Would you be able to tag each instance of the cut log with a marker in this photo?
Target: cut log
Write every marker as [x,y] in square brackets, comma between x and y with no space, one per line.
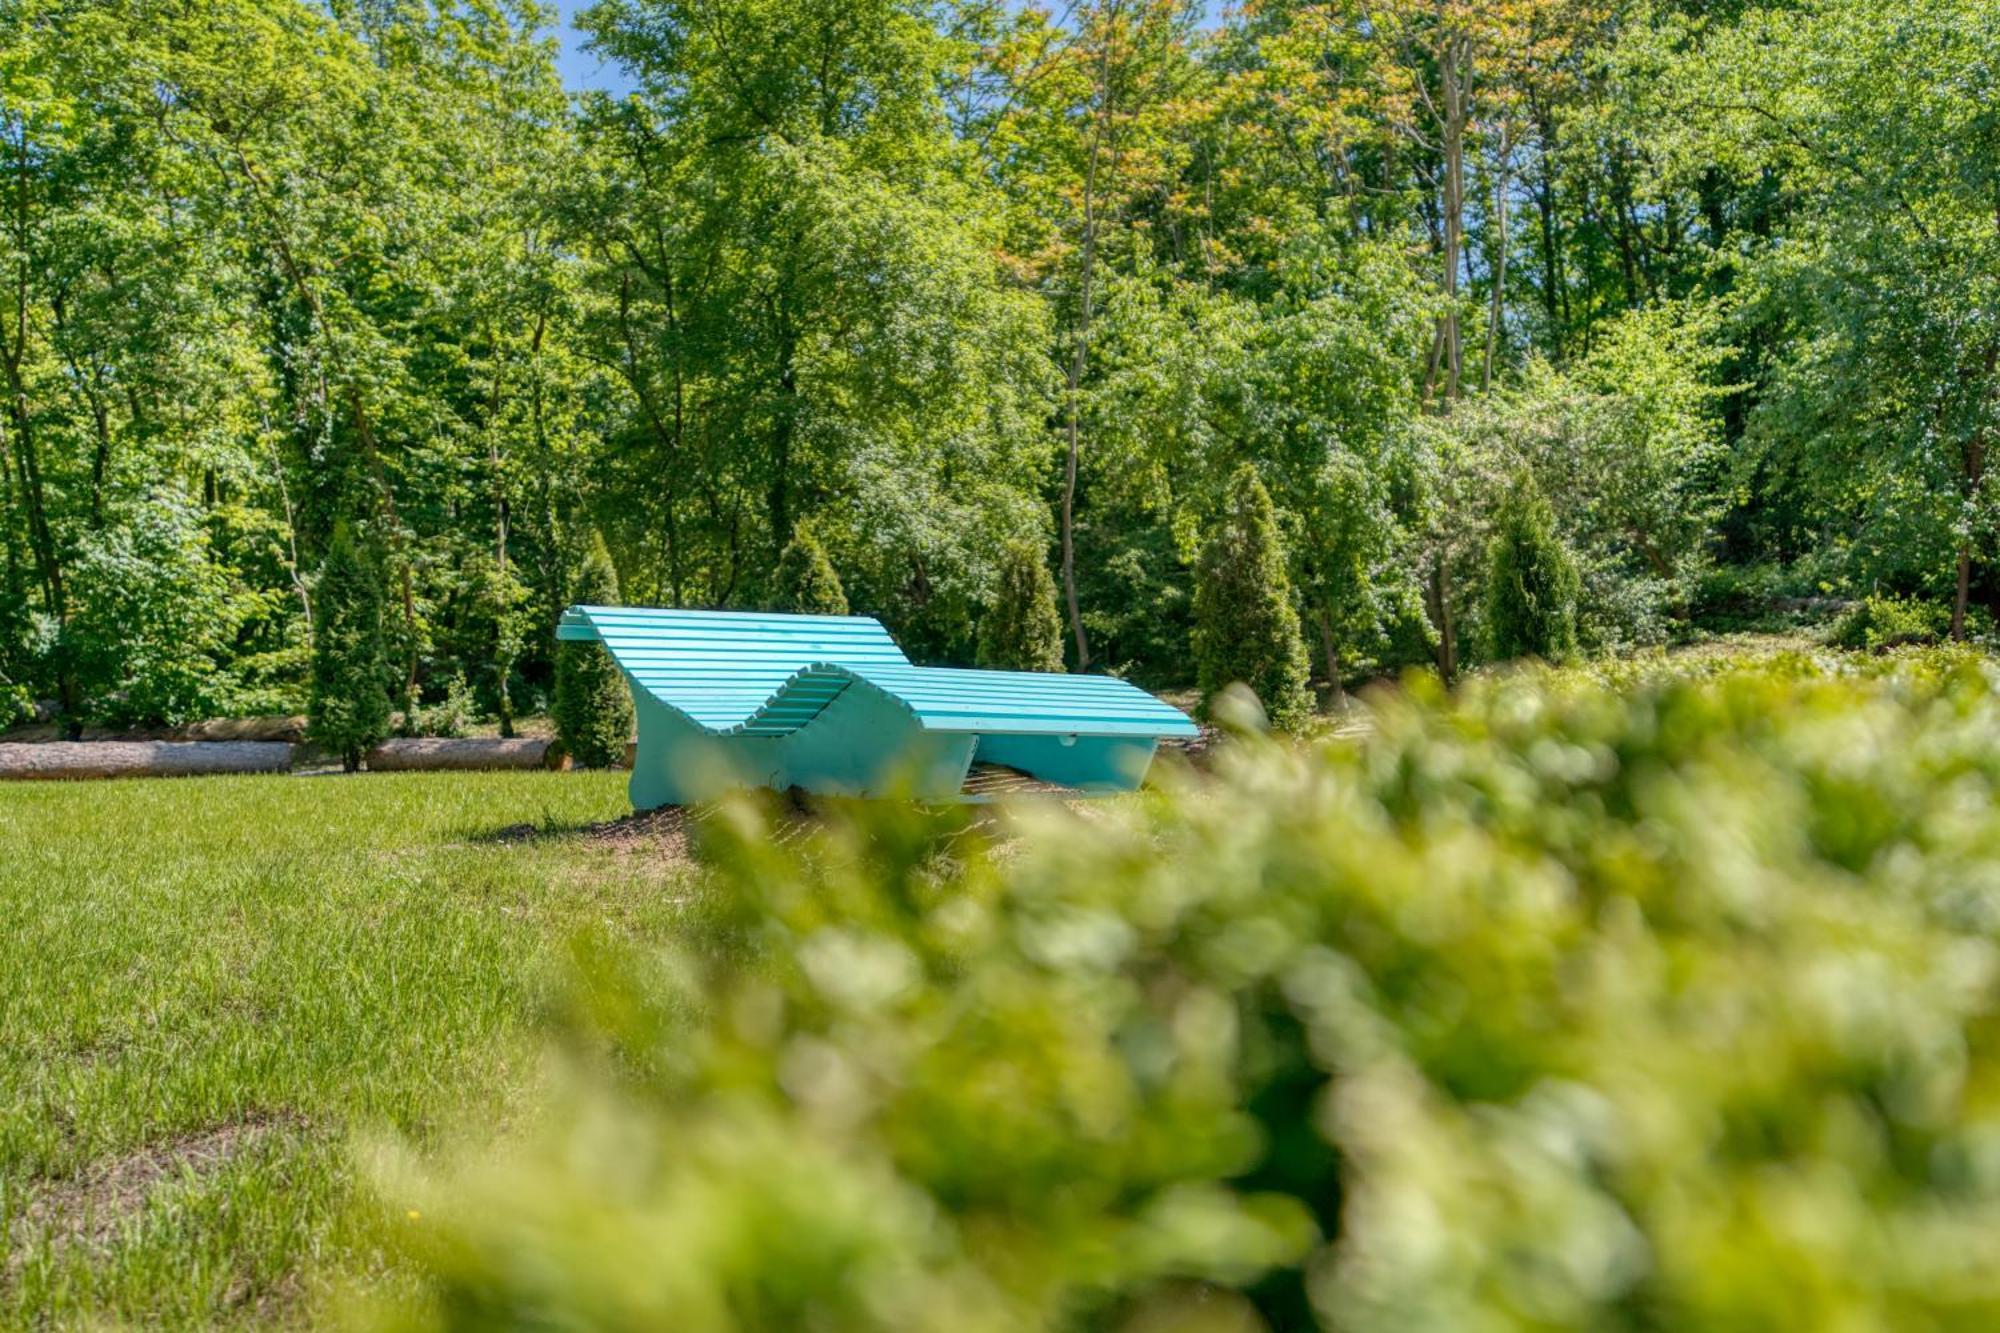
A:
[140,759]
[291,729]
[423,754]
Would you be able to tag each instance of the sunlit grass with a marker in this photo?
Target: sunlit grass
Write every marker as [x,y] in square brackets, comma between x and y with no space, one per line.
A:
[209,988]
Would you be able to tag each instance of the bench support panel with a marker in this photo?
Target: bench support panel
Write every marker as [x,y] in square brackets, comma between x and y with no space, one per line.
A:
[1094,763]
[678,763]
[861,744]
[866,744]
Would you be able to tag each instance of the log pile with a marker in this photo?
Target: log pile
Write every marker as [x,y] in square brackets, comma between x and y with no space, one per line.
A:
[278,727]
[437,754]
[57,760]
[140,759]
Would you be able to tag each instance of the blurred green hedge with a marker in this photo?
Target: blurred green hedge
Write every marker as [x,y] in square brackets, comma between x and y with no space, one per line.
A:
[1667,1001]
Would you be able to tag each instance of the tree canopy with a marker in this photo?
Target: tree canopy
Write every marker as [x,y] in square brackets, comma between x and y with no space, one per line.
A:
[935,283]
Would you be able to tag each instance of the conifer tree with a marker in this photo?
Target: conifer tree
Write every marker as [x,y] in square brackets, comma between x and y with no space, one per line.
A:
[1022,630]
[593,707]
[1532,585]
[1246,628]
[348,712]
[805,581]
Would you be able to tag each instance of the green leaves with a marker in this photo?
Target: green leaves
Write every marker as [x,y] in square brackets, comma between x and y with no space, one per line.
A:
[1532,582]
[155,633]
[1872,117]
[834,265]
[795,277]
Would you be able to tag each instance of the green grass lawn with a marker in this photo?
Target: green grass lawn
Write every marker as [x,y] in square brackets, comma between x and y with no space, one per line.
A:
[211,988]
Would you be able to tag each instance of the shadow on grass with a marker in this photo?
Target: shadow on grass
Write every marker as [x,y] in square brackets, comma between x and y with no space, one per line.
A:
[789,815]
[672,819]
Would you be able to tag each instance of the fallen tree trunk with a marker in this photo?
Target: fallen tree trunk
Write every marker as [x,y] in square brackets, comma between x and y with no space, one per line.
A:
[426,754]
[140,759]
[291,729]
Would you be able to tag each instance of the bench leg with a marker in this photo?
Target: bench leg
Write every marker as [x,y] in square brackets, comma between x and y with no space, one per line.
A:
[677,763]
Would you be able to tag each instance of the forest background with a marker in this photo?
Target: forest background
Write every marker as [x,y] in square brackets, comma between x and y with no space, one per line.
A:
[1694,308]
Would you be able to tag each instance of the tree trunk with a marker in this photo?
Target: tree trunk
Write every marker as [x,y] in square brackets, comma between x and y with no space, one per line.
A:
[41,538]
[13,355]
[669,438]
[1964,593]
[1079,359]
[72,760]
[1545,203]
[458,754]
[1628,257]
[1453,73]
[92,386]
[1975,475]
[292,545]
[1440,598]
[1498,309]
[1332,653]
[1453,109]
[779,497]
[13,584]
[410,656]
[503,655]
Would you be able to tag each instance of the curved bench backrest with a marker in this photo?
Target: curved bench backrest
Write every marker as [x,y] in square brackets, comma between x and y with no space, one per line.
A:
[719,667]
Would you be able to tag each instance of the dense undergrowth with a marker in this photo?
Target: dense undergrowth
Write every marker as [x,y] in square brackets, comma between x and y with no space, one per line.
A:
[1655,996]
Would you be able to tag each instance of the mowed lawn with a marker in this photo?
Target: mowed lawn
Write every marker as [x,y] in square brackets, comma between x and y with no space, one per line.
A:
[211,989]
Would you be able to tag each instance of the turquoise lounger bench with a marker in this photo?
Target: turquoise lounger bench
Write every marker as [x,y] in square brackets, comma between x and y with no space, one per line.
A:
[830,704]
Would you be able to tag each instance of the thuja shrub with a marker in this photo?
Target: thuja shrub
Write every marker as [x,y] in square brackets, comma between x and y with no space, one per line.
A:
[348,710]
[805,581]
[1246,628]
[592,707]
[1532,581]
[1022,629]
[1668,1002]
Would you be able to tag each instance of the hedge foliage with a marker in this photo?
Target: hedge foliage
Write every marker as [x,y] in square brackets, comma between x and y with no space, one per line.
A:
[1670,1001]
[1883,621]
